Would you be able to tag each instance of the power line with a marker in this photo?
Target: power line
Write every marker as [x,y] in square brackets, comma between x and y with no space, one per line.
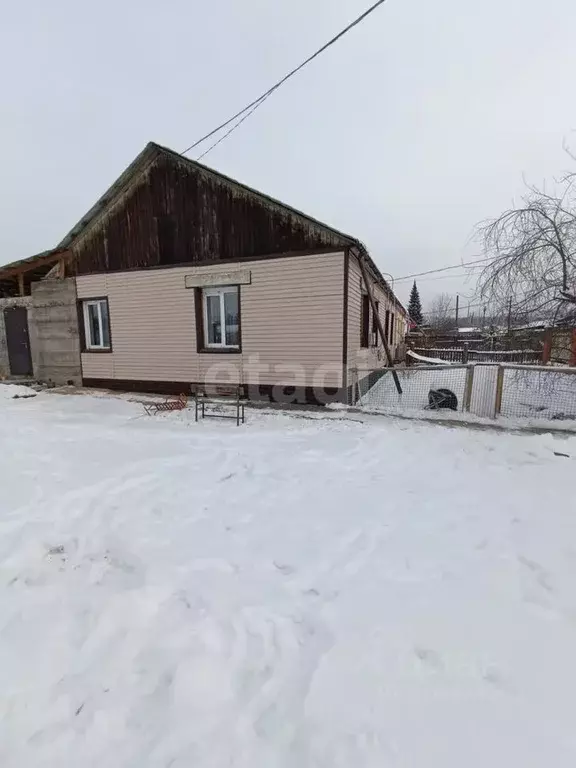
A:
[260,100]
[465,311]
[443,269]
[473,270]
[236,125]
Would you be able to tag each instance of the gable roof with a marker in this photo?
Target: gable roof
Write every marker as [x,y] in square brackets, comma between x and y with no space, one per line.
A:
[148,155]
[145,159]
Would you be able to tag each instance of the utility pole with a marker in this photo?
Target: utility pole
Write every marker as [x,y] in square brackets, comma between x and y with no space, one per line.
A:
[457,308]
[484,317]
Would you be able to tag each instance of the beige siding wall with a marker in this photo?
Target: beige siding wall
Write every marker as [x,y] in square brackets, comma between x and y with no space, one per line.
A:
[371,357]
[291,318]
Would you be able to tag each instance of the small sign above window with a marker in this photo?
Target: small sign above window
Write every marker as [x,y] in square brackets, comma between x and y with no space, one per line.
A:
[213,279]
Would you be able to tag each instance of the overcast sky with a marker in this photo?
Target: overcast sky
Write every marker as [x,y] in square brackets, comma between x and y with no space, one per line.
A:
[411,129]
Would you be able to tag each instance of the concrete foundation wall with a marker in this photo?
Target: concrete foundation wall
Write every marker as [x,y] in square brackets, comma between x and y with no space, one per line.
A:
[53,323]
[21,301]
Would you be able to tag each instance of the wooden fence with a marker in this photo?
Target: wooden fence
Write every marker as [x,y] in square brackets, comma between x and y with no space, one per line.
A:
[465,355]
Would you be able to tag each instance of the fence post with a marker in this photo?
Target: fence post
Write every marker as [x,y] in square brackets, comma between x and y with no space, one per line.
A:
[499,391]
[573,349]
[465,350]
[468,388]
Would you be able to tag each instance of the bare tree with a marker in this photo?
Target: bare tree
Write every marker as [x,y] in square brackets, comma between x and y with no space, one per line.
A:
[441,315]
[532,252]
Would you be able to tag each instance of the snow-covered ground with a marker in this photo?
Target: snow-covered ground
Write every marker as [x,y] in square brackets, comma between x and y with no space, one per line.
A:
[341,591]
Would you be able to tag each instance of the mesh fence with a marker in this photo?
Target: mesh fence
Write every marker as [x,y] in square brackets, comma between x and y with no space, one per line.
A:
[490,390]
[424,388]
[546,393]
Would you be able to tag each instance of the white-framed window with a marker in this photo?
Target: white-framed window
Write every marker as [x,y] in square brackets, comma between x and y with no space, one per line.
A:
[221,311]
[96,324]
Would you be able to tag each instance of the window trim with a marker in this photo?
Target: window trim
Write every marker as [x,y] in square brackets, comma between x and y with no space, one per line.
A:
[84,324]
[201,308]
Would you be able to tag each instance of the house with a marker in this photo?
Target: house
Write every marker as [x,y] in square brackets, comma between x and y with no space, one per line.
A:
[180,275]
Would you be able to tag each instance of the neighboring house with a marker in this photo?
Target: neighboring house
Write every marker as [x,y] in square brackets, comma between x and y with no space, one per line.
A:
[179,275]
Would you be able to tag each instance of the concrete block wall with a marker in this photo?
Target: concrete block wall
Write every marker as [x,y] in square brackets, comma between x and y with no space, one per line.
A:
[53,322]
[20,301]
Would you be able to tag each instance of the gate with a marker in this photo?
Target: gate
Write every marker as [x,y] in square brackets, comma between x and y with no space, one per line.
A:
[18,341]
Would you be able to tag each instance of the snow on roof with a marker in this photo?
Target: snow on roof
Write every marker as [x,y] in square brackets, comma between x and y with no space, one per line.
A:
[533,324]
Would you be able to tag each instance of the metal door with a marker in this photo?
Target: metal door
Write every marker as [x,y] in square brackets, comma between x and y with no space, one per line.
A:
[18,341]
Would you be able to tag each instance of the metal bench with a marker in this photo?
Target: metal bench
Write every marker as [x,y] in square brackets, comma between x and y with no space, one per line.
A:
[223,396]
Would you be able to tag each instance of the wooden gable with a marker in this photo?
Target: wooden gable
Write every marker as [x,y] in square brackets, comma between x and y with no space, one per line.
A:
[169,210]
